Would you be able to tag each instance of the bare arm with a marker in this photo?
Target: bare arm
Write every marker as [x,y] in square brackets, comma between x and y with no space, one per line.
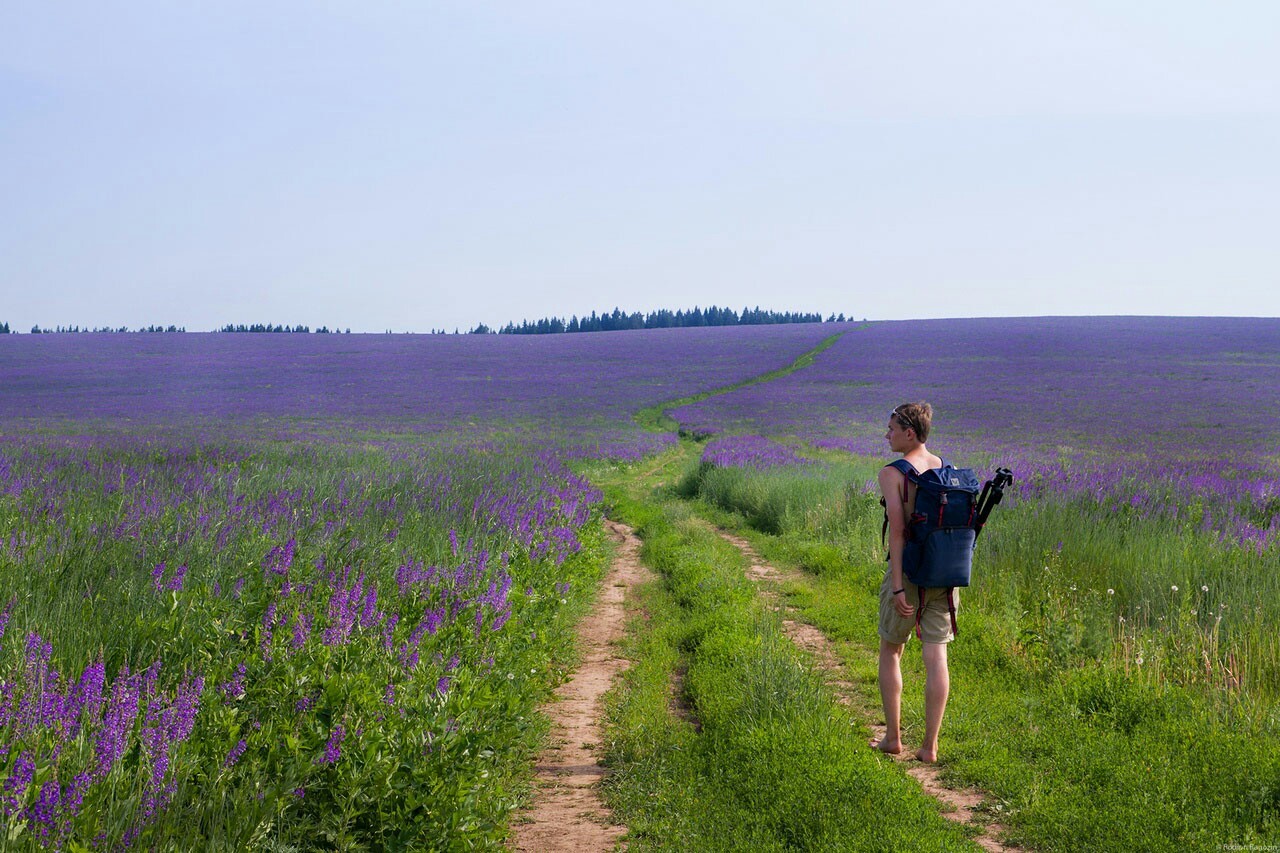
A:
[893,486]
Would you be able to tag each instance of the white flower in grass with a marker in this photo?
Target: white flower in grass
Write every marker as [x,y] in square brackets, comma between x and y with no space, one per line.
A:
[1111,592]
[1139,660]
[1174,587]
[1204,588]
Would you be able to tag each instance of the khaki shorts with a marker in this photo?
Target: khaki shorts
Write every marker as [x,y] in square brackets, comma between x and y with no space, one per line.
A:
[935,621]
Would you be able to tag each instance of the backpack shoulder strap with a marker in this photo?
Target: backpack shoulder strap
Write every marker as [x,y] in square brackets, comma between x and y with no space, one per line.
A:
[909,472]
[905,468]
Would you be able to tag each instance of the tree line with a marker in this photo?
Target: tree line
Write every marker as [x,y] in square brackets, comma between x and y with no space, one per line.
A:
[613,321]
[241,327]
[62,330]
[618,320]
[267,327]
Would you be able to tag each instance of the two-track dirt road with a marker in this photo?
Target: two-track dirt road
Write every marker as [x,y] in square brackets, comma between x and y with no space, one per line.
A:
[567,812]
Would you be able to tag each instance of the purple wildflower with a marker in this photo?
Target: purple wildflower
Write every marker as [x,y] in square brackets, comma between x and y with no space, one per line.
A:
[15,787]
[43,814]
[268,624]
[4,617]
[179,577]
[333,749]
[234,688]
[236,751]
[301,630]
[431,621]
[280,558]
[388,630]
[163,729]
[122,710]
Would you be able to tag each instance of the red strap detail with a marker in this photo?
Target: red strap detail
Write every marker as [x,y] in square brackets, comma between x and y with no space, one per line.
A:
[919,611]
[951,608]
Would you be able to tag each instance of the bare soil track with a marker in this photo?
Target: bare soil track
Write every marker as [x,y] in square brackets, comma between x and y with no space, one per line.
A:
[959,804]
[567,813]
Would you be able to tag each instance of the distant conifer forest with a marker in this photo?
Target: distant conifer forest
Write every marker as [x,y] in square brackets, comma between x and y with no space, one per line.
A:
[662,319]
[613,321]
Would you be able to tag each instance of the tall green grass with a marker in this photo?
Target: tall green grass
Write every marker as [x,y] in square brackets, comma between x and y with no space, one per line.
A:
[1102,707]
[1167,601]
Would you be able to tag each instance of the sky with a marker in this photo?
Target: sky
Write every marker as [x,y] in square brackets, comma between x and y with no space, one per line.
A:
[409,166]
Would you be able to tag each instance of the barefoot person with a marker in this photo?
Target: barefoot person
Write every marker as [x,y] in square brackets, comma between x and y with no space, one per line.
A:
[899,598]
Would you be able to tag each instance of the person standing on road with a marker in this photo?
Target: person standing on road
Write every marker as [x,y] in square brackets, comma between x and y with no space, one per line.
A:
[908,429]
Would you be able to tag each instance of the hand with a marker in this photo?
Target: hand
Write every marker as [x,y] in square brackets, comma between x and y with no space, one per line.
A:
[905,608]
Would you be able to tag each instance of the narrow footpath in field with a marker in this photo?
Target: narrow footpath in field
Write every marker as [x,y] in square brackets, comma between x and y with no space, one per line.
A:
[567,813]
[960,804]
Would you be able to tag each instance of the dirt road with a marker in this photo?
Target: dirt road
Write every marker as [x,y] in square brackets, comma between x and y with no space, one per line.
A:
[567,814]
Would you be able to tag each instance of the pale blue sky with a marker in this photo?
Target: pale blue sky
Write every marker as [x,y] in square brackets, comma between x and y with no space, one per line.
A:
[416,165]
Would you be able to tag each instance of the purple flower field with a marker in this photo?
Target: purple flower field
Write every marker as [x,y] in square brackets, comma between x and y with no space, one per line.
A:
[187,625]
[279,580]
[1110,383]
[1165,415]
[269,580]
[582,388]
[163,605]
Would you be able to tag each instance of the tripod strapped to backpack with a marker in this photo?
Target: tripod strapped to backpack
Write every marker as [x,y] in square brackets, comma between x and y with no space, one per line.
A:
[992,493]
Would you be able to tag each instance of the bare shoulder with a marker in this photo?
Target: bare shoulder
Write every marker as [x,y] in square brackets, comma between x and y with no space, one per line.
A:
[890,474]
[891,479]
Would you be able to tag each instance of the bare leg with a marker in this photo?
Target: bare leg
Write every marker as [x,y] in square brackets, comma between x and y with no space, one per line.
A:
[937,685]
[891,696]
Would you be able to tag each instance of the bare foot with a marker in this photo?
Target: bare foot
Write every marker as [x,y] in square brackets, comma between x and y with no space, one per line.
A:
[927,756]
[889,747]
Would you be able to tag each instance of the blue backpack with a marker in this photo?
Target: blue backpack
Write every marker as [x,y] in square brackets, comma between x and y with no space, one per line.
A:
[943,527]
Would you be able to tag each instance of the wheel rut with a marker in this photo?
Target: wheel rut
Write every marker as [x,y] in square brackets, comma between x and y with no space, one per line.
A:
[961,804]
[567,813]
